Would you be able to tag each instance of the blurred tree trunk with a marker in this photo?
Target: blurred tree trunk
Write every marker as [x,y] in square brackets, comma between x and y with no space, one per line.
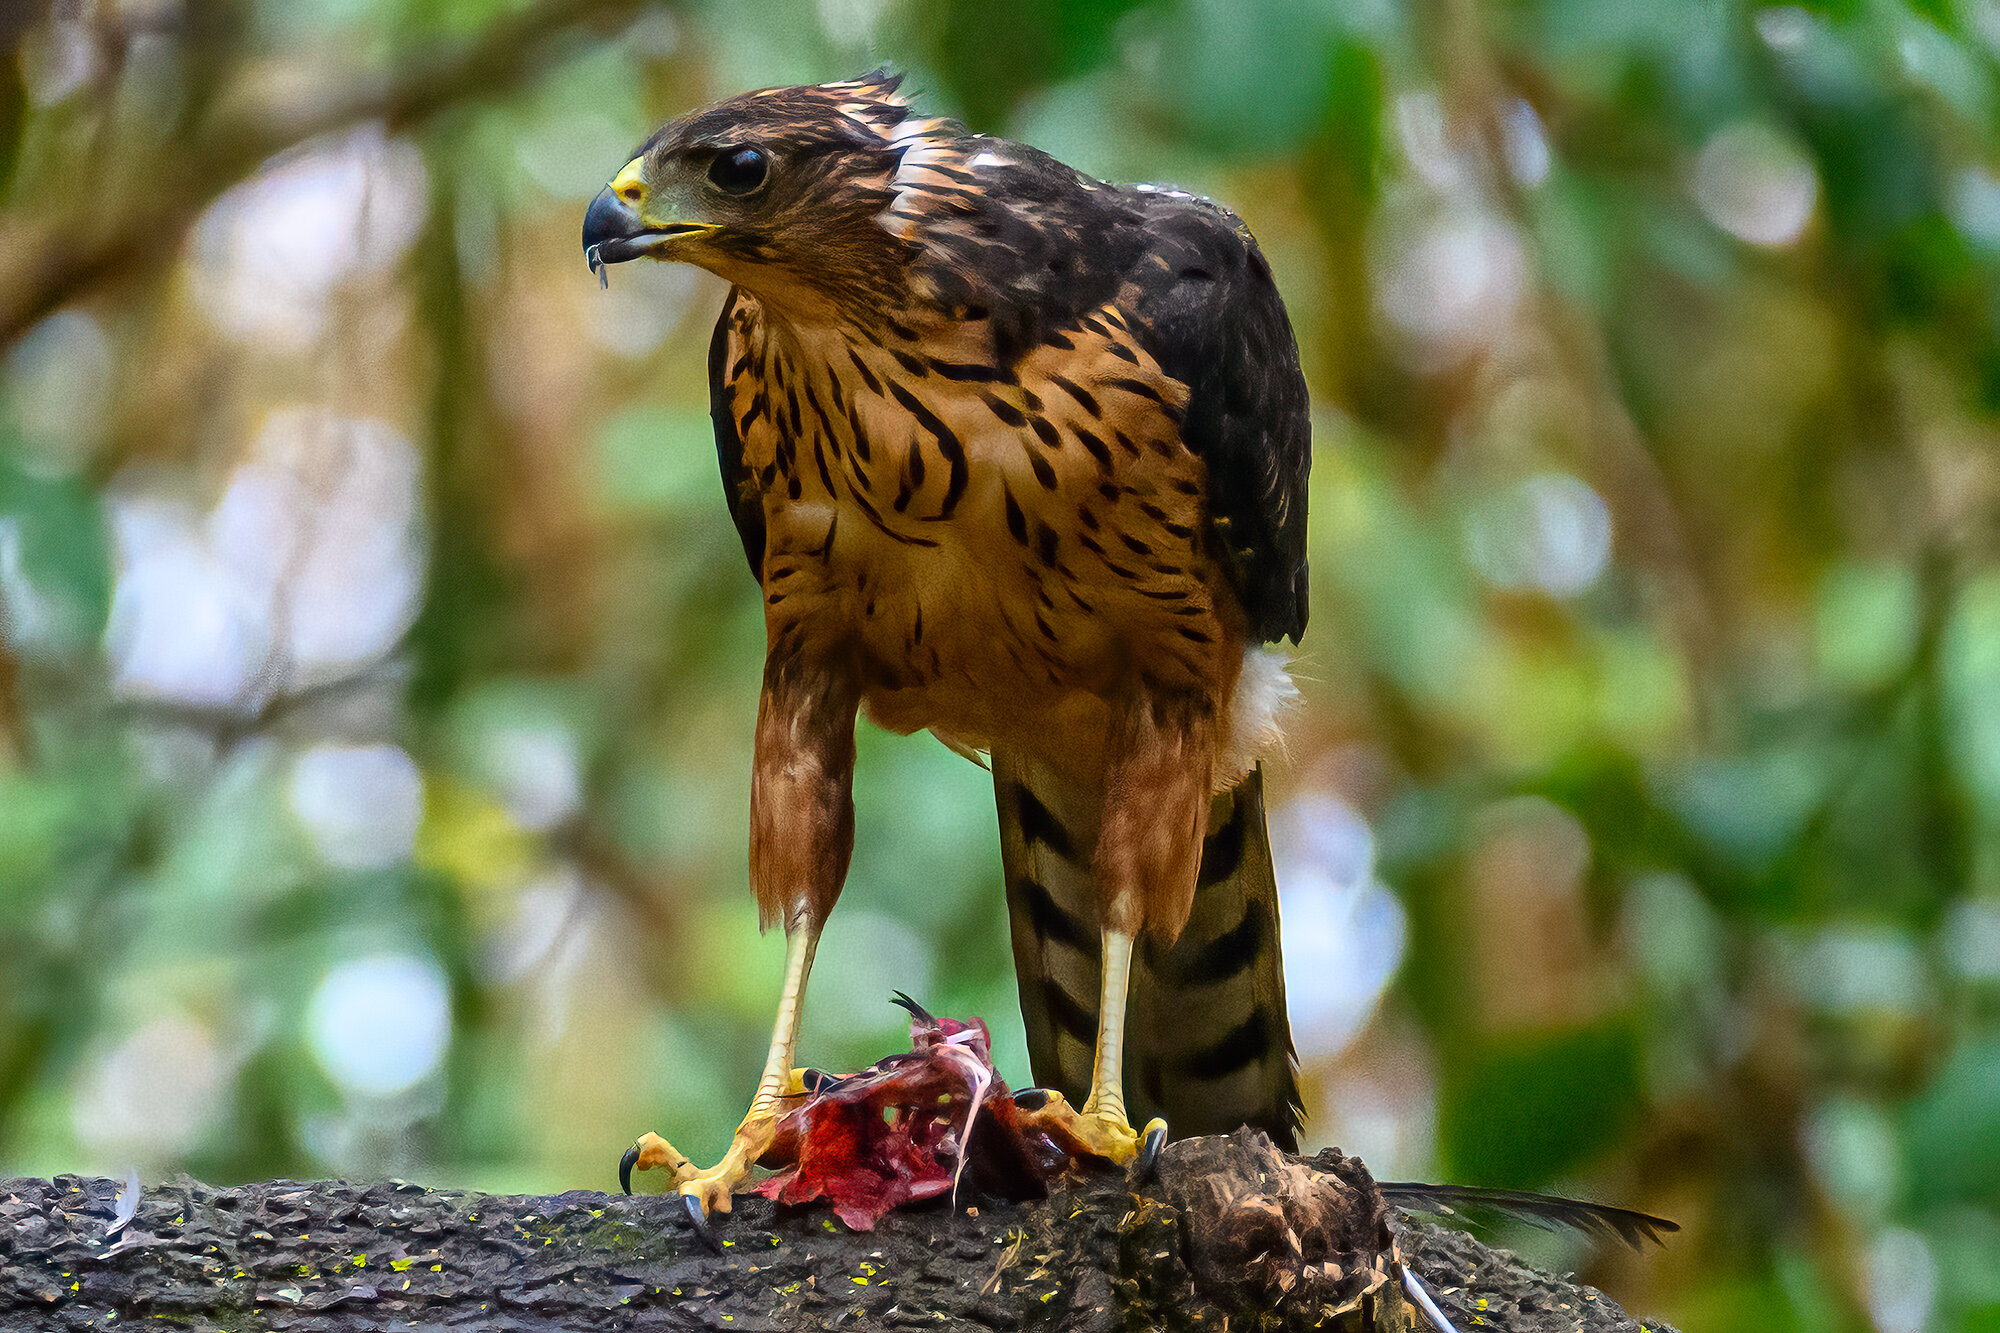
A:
[13,721]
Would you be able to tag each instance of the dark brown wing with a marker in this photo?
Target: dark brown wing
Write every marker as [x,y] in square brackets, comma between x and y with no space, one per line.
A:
[744,506]
[1209,312]
[1037,245]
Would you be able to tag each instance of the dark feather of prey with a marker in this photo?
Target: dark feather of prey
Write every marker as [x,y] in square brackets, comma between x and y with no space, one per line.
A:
[1598,1220]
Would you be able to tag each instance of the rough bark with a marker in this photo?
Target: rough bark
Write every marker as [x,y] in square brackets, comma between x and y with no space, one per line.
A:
[1228,1236]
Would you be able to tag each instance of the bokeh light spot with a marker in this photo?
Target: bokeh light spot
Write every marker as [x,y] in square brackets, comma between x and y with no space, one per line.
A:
[1551,532]
[150,1098]
[361,804]
[1343,932]
[1755,184]
[1452,284]
[1902,1281]
[379,1024]
[271,251]
[59,380]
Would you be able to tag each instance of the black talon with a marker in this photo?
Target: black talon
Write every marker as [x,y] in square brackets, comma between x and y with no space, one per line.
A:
[1146,1162]
[625,1165]
[1033,1099]
[697,1217]
[818,1080]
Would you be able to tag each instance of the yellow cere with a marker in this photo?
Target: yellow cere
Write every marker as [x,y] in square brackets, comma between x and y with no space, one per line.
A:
[629,184]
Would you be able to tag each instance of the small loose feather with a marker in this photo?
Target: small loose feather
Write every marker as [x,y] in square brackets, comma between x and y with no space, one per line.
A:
[127,1207]
[1420,1296]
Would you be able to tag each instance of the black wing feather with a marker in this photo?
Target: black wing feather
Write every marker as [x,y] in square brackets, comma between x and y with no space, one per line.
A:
[744,506]
[1210,314]
[1039,246]
[1548,1211]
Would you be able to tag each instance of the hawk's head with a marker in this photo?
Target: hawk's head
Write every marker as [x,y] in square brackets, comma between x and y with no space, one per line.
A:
[783,191]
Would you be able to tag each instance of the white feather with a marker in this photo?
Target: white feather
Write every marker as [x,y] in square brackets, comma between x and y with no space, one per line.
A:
[1420,1294]
[924,143]
[1264,694]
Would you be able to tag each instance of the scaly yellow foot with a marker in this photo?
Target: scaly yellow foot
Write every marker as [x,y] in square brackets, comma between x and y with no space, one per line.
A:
[705,1193]
[1100,1131]
[650,1151]
[712,1190]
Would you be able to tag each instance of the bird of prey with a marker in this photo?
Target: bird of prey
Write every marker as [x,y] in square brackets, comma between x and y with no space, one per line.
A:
[1018,457]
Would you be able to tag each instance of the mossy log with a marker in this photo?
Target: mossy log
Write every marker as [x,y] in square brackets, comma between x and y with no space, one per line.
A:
[1230,1234]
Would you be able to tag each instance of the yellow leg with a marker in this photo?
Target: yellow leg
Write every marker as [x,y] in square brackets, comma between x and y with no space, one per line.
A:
[1107,1073]
[714,1188]
[1101,1127]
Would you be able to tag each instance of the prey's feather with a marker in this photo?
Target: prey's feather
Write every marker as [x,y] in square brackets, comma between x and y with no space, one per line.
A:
[1547,1211]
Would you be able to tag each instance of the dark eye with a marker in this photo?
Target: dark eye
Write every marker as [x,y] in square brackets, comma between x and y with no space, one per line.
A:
[739,170]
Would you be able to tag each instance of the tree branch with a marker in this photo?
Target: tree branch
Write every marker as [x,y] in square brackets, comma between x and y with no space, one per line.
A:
[1193,1252]
[51,256]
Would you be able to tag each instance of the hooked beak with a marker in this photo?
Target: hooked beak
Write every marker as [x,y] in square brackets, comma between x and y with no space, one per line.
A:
[616,228]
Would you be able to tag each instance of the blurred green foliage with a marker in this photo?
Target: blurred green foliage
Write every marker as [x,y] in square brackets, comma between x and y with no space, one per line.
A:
[377,661]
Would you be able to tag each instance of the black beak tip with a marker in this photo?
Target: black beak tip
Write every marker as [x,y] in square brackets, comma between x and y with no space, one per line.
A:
[608,219]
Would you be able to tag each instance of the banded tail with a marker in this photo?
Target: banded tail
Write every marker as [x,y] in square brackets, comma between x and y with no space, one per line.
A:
[1208,1043]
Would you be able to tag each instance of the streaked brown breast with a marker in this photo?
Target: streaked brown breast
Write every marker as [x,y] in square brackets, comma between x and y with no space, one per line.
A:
[977,535]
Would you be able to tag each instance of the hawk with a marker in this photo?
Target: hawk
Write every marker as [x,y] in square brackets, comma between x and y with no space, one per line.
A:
[1018,457]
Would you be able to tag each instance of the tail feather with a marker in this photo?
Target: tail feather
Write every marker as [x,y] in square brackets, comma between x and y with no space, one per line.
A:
[1211,1044]
[1047,830]
[1549,1211]
[1208,1045]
